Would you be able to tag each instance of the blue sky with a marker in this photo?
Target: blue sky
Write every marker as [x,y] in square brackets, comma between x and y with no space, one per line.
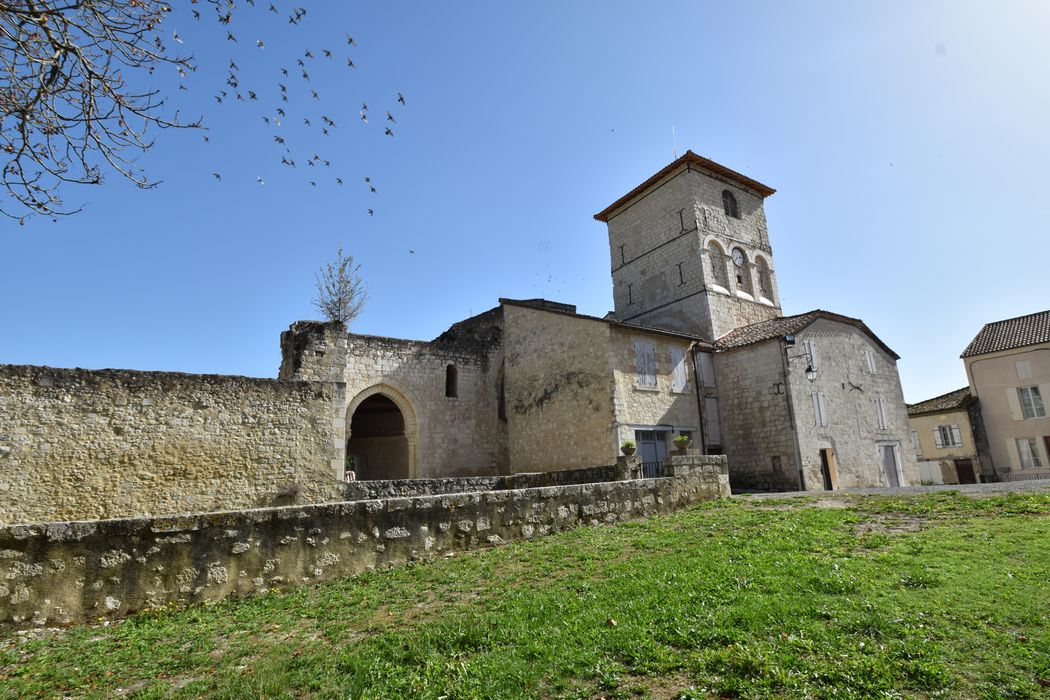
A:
[907,142]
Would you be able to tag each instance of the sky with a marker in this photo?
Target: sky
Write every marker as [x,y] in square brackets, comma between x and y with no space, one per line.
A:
[907,142]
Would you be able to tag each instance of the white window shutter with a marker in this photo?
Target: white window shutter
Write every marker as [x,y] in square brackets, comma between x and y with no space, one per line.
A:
[1024,369]
[937,438]
[714,426]
[880,414]
[679,378]
[816,408]
[956,436]
[1014,401]
[870,357]
[811,350]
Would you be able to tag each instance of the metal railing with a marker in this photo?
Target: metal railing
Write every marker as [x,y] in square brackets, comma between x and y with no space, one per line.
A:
[652,470]
[1023,475]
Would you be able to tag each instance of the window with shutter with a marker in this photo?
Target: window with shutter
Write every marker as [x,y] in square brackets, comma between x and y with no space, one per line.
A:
[1024,369]
[679,377]
[1031,402]
[645,363]
[956,435]
[880,413]
[938,438]
[869,356]
[1029,453]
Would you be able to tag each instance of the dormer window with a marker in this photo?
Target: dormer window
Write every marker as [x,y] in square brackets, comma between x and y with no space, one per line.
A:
[729,204]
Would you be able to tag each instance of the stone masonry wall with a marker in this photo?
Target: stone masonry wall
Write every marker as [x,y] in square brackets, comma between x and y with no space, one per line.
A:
[86,444]
[849,391]
[401,488]
[447,436]
[61,573]
[756,423]
[657,248]
[661,405]
[559,391]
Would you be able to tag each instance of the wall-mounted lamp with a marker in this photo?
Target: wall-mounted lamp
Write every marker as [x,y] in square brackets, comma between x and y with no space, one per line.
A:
[811,371]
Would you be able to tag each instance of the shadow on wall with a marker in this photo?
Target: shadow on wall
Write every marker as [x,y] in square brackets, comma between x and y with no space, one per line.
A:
[378,447]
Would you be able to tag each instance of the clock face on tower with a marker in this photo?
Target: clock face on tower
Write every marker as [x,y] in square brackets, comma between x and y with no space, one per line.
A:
[738,257]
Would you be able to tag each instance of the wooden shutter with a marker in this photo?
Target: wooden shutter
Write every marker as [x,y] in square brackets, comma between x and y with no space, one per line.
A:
[956,435]
[1014,401]
[707,369]
[679,378]
[937,438]
[1024,369]
[811,350]
[870,357]
[820,409]
[880,413]
[650,364]
[714,426]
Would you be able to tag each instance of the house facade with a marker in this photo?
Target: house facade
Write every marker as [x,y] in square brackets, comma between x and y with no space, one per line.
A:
[696,345]
[948,439]
[1008,368]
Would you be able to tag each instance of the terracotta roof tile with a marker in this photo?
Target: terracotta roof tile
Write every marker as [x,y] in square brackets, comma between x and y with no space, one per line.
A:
[790,325]
[953,400]
[1011,333]
[692,159]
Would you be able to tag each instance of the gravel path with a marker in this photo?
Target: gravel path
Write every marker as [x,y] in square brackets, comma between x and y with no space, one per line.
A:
[1036,485]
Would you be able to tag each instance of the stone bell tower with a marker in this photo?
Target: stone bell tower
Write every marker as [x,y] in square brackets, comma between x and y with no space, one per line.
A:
[690,250]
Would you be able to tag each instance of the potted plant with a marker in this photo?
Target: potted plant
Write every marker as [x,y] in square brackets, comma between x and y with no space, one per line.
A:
[628,447]
[682,443]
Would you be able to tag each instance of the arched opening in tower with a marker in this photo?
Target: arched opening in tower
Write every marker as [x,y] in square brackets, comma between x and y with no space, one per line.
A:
[377,447]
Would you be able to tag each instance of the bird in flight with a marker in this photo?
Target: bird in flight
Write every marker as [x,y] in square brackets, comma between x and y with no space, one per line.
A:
[230,36]
[260,181]
[350,63]
[260,44]
[389,132]
[217,176]
[390,117]
[350,40]
[400,98]
[371,212]
[176,37]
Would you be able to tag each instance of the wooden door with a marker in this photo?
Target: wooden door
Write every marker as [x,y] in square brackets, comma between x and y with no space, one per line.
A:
[964,471]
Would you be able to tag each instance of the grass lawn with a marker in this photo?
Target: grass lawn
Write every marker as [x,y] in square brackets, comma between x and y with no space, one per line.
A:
[924,596]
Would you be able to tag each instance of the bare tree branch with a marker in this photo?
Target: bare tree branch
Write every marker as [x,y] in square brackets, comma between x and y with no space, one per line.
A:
[341,294]
[68,108]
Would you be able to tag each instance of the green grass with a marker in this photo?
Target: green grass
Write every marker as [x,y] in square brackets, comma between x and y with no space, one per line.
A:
[928,596]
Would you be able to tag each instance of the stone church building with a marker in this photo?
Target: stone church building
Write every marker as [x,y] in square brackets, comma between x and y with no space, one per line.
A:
[696,345]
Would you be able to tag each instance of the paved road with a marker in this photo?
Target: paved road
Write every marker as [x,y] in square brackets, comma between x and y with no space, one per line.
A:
[1039,486]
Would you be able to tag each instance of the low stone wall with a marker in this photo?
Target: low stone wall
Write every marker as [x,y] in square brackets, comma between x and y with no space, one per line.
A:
[403,488]
[81,444]
[60,573]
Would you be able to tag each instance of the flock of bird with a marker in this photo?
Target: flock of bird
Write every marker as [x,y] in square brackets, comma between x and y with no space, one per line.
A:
[318,122]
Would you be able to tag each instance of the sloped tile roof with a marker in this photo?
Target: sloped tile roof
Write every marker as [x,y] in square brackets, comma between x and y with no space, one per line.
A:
[790,325]
[953,400]
[1011,333]
[692,159]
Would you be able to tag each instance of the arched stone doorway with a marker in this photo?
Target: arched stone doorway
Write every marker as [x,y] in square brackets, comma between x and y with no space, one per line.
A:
[381,435]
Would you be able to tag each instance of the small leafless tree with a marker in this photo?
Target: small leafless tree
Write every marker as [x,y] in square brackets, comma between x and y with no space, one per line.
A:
[341,295]
[73,96]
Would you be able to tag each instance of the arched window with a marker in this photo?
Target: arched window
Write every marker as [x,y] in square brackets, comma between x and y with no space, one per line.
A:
[451,382]
[717,260]
[765,288]
[741,270]
[729,204]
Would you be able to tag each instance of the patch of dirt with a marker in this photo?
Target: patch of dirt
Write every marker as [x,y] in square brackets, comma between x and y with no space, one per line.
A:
[888,525]
[656,687]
